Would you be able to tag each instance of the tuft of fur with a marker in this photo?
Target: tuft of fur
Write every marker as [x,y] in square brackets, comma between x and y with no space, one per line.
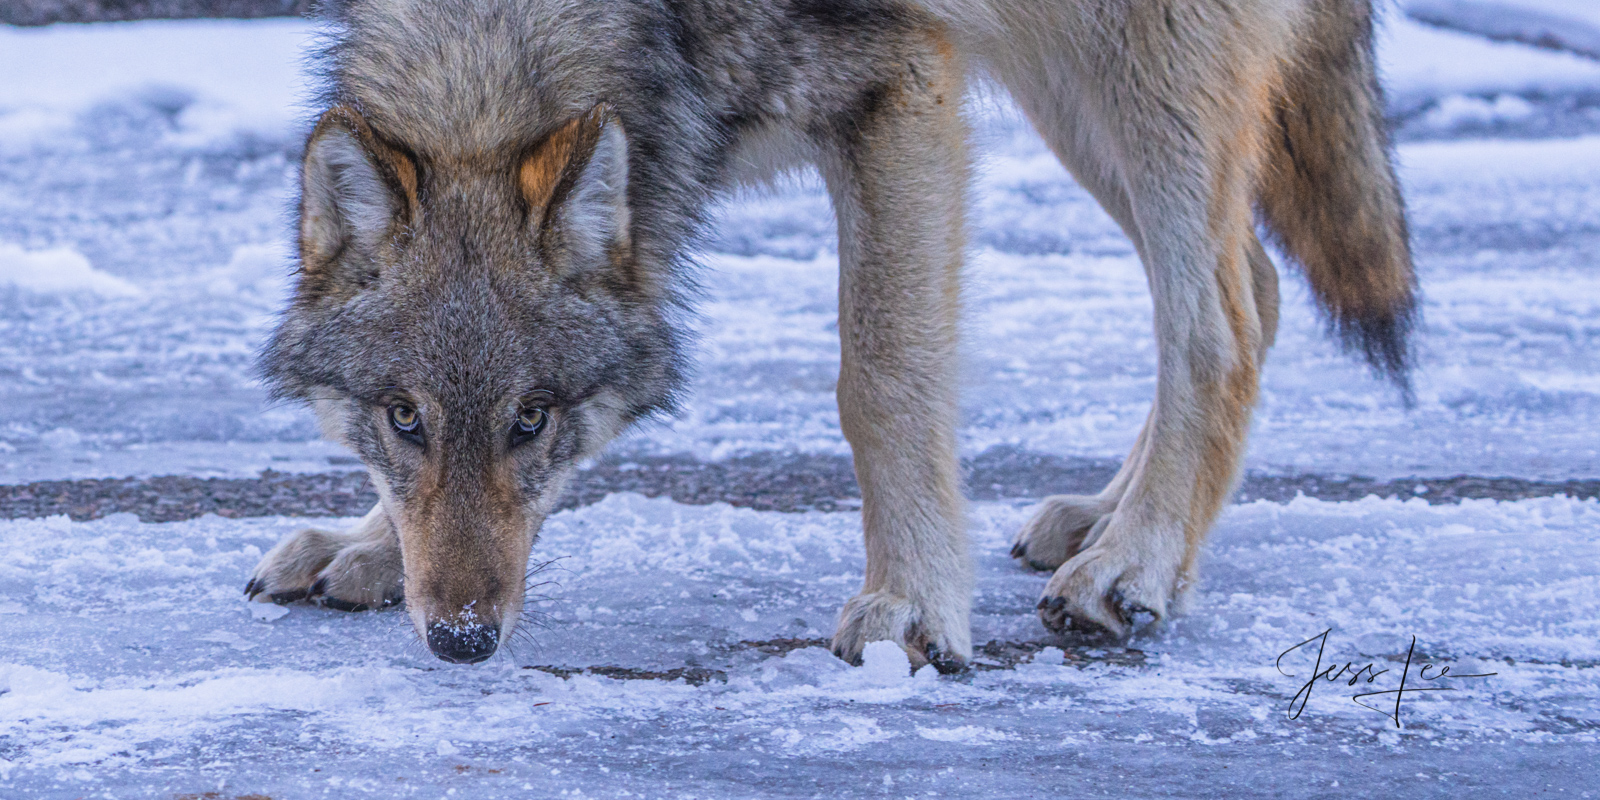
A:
[1329,194]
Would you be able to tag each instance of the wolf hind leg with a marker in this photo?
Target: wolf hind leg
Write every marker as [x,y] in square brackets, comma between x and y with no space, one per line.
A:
[1176,162]
[898,174]
[352,570]
[1065,524]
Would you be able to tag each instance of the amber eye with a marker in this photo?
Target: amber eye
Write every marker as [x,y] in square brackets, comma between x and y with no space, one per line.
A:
[406,422]
[529,422]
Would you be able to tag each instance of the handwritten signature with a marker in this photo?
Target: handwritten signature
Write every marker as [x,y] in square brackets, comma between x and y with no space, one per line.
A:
[1352,675]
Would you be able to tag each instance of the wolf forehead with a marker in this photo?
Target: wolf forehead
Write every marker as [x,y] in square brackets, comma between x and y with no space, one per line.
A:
[468,332]
[461,78]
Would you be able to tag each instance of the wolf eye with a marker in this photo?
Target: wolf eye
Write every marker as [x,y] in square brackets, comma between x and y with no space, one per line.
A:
[406,422]
[529,422]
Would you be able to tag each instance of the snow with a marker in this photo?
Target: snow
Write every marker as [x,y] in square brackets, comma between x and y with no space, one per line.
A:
[136,652]
[217,78]
[170,258]
[61,269]
[1582,10]
[1419,63]
[1059,357]
[1570,25]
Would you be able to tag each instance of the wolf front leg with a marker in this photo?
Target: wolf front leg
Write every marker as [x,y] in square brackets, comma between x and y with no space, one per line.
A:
[351,570]
[898,176]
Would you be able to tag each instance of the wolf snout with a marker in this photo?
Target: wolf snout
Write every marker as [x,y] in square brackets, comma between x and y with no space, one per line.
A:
[463,642]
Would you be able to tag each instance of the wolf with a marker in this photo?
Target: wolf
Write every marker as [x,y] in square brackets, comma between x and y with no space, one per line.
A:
[501,203]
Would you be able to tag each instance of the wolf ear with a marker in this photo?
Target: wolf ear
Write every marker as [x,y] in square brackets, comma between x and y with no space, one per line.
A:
[355,191]
[576,185]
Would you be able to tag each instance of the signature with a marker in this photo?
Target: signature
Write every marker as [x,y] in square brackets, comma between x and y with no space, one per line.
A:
[1366,674]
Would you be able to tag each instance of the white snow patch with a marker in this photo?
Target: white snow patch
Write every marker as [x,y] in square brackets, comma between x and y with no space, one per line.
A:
[267,611]
[260,271]
[885,664]
[1499,163]
[61,439]
[1417,61]
[58,270]
[1457,110]
[221,77]
[964,734]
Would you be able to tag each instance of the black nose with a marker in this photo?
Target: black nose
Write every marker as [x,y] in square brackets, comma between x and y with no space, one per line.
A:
[462,642]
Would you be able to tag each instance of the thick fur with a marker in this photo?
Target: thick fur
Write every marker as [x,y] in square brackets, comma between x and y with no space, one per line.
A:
[1329,192]
[499,206]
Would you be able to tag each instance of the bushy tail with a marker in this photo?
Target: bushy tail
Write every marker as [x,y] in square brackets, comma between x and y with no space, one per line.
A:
[1329,194]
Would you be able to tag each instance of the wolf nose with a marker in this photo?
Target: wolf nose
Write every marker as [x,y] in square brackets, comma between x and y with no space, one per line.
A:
[462,643]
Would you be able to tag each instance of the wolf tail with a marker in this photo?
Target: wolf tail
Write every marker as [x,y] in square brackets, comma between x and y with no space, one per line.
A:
[1329,194]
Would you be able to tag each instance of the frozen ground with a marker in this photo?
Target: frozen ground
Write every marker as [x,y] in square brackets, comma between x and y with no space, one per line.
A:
[144,171]
[131,661]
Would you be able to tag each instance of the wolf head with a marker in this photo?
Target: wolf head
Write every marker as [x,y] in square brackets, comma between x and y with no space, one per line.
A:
[472,326]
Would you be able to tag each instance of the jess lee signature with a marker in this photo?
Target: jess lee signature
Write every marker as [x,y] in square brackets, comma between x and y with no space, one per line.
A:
[1368,673]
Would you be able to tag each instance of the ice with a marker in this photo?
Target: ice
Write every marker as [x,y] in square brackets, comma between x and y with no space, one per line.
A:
[132,656]
[267,612]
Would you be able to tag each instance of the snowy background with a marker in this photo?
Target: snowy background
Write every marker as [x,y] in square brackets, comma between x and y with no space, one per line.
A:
[145,173]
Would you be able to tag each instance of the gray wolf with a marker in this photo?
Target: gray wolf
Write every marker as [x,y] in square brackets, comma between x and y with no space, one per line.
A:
[500,205]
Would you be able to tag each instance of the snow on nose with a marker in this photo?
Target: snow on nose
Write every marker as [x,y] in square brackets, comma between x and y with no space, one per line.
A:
[463,642]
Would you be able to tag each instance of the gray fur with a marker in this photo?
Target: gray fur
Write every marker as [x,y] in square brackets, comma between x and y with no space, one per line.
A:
[500,204]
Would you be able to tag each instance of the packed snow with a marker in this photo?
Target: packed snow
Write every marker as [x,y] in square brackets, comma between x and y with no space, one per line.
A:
[131,658]
[145,176]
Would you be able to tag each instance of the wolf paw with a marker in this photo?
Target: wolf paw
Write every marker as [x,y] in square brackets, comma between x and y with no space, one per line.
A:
[1063,525]
[1111,587]
[941,639]
[352,571]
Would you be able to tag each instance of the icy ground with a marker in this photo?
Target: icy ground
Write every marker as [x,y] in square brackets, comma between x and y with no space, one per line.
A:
[144,173]
[130,661]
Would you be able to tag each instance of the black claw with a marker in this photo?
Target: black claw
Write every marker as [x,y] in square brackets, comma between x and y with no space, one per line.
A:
[320,587]
[285,598]
[1131,612]
[1019,550]
[250,588]
[1050,608]
[340,605]
[944,663]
